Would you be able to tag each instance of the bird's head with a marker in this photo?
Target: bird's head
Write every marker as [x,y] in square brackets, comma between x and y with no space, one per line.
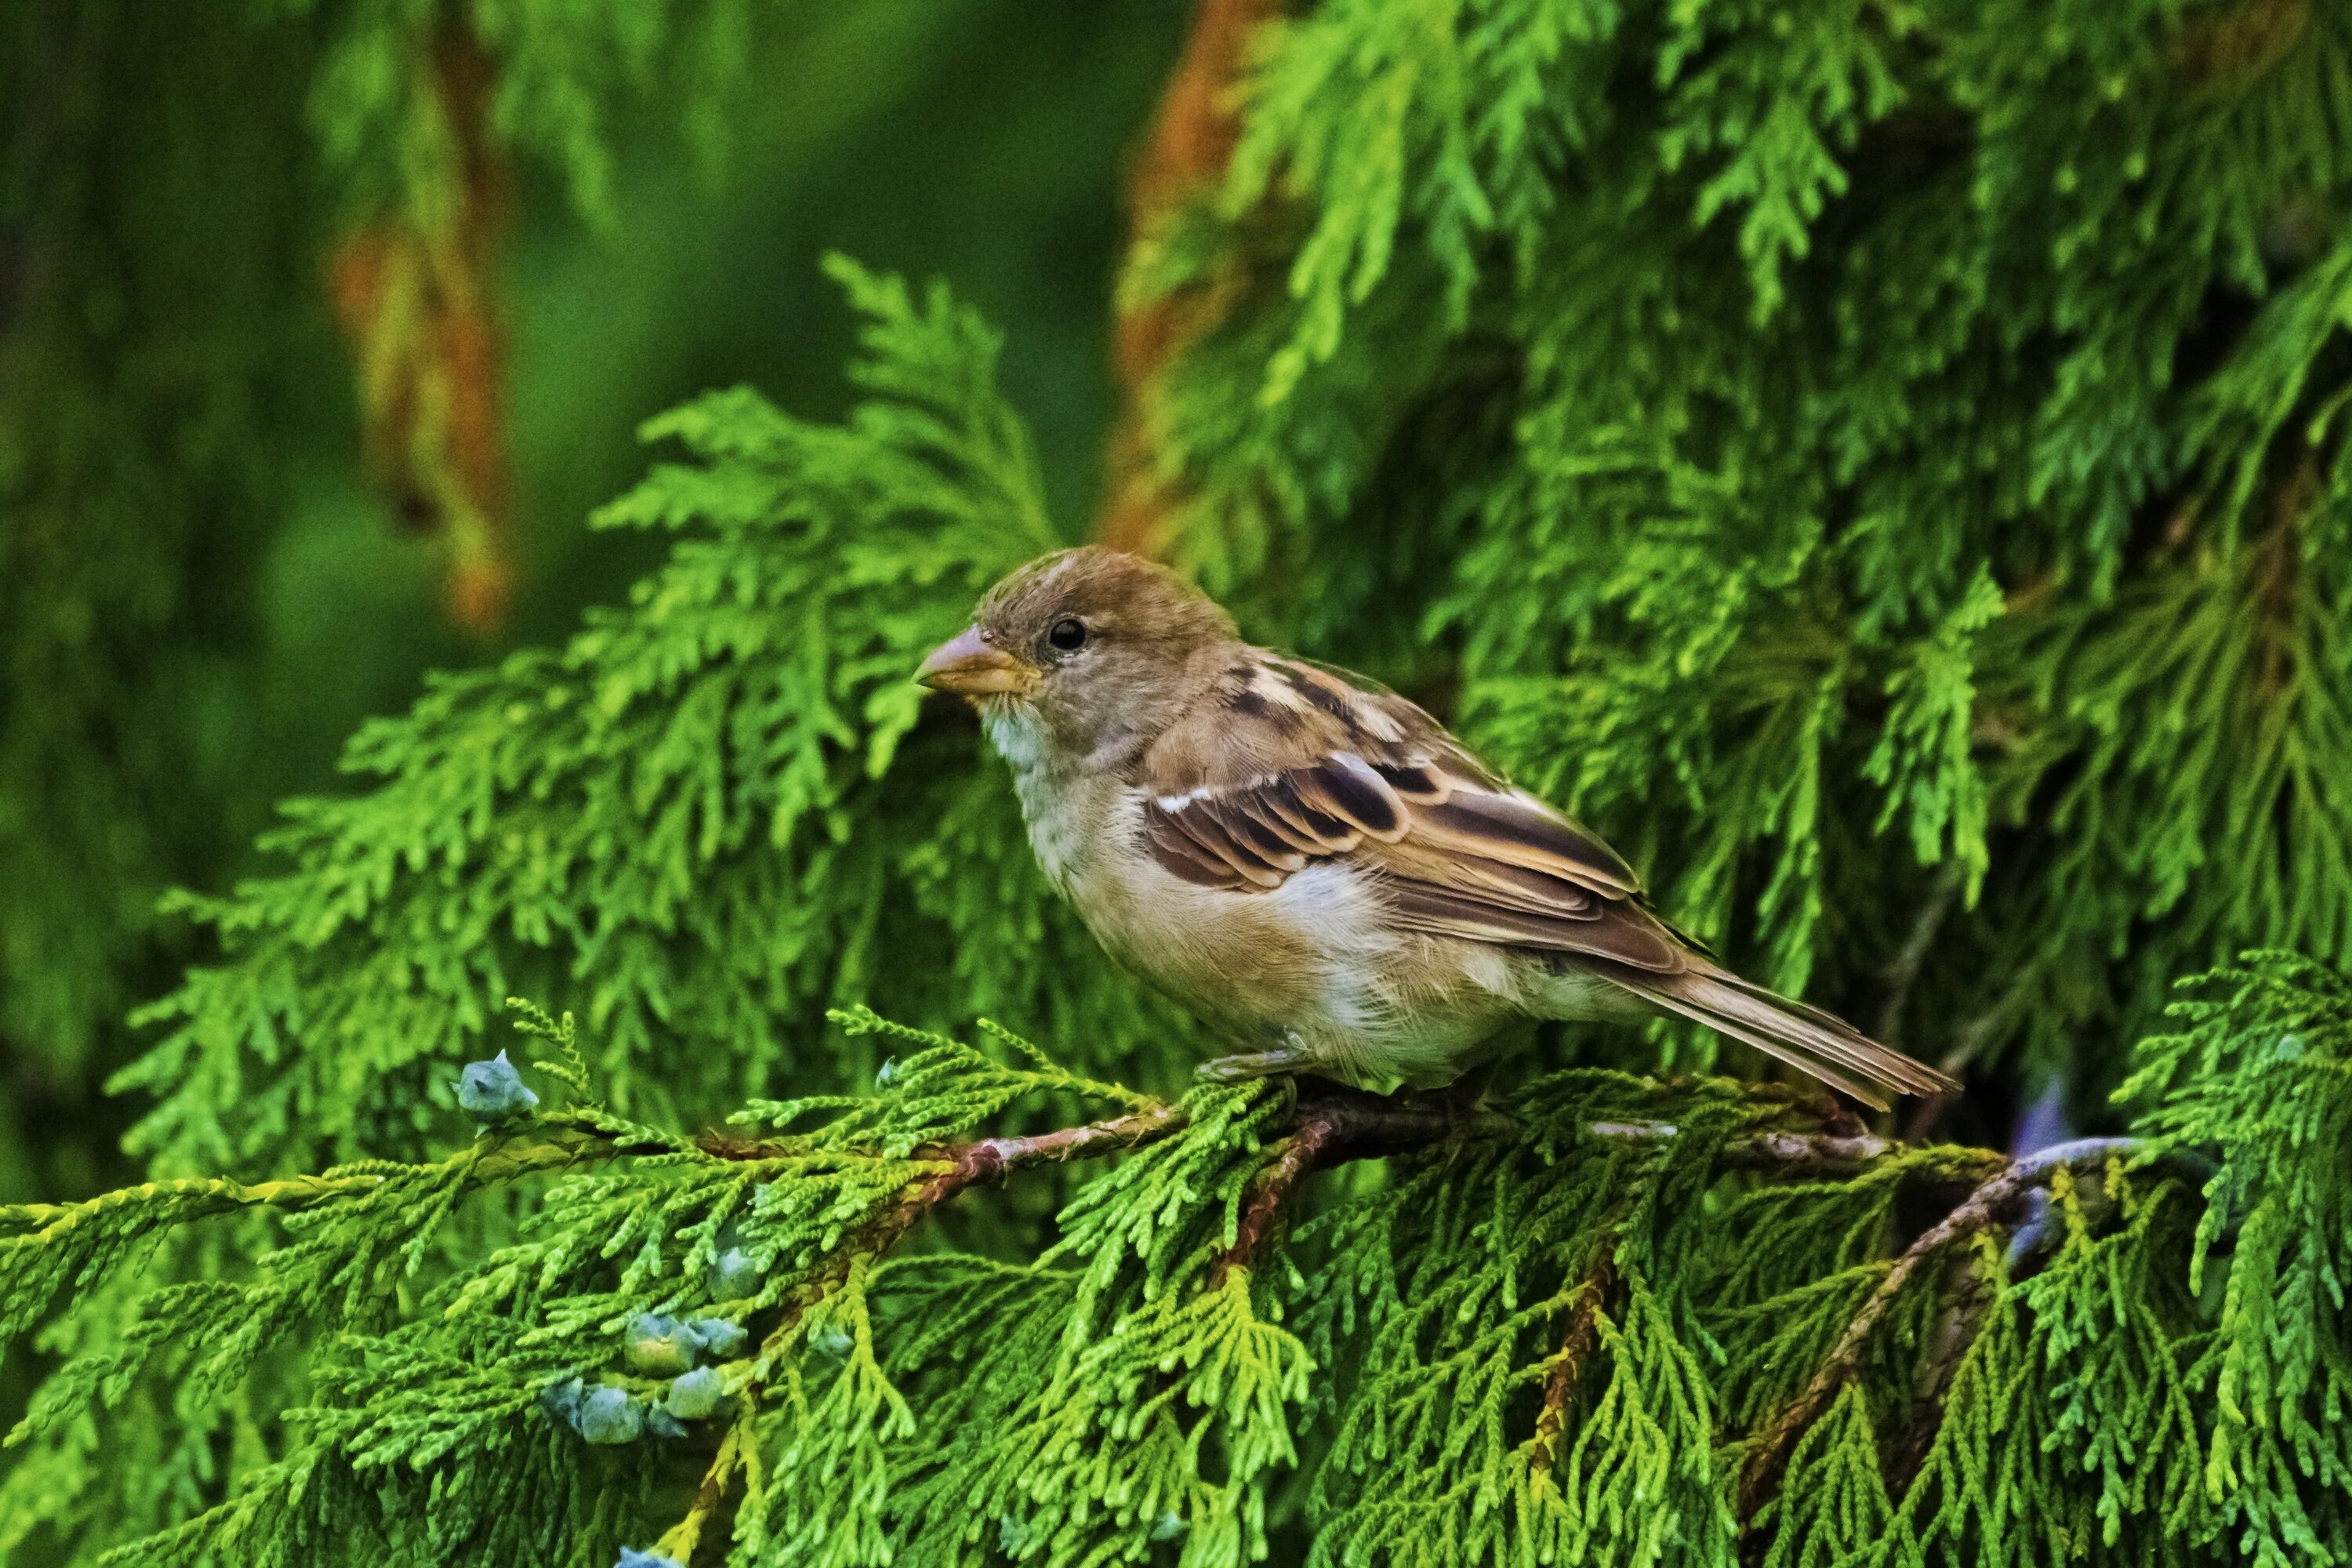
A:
[1087,653]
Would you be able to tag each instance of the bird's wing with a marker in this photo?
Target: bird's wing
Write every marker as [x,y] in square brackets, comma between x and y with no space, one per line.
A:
[1284,764]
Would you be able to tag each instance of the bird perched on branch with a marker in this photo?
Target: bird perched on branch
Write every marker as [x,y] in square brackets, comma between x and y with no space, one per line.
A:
[1311,862]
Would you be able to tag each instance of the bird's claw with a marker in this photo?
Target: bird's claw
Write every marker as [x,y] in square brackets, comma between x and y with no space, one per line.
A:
[1249,1064]
[1290,1057]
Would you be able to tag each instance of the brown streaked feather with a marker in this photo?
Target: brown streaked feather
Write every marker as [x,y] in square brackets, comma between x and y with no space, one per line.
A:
[1524,831]
[1344,786]
[1284,763]
[1806,1038]
[1771,1046]
[1439,912]
[1505,885]
[1415,783]
[1310,829]
[1254,833]
[1215,846]
[1620,934]
[1181,857]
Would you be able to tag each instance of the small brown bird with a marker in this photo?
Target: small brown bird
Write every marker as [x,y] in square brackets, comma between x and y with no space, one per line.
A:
[1311,862]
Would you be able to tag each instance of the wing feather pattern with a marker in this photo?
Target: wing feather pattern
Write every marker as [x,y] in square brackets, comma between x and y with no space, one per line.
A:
[1285,764]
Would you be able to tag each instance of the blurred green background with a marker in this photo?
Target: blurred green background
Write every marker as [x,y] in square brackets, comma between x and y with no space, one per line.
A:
[204,588]
[1883,466]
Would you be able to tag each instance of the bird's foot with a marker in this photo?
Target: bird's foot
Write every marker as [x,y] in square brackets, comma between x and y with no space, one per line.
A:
[1251,1064]
[1291,1056]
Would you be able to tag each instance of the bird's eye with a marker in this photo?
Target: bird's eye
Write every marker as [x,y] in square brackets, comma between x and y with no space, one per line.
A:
[1067,635]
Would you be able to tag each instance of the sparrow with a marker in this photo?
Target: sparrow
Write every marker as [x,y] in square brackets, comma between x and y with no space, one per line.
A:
[1310,862]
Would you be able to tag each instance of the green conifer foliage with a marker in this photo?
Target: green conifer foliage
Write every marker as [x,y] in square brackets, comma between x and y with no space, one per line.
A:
[160,329]
[1880,462]
[1884,462]
[132,417]
[702,816]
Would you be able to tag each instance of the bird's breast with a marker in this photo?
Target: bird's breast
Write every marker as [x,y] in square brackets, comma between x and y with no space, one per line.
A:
[1067,818]
[1252,960]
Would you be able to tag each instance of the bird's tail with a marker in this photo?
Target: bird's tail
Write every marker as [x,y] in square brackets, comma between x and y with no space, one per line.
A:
[1812,1041]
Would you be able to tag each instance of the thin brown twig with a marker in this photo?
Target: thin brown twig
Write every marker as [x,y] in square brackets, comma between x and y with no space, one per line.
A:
[1981,1209]
[1360,1126]
[1956,1329]
[1576,1342]
[1299,1155]
[993,1158]
[988,1159]
[1331,1126]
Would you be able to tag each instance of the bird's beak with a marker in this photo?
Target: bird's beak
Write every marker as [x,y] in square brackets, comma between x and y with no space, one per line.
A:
[969,666]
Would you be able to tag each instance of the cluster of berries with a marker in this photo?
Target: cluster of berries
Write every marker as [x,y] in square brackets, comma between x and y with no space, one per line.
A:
[679,1350]
[654,1347]
[493,1090]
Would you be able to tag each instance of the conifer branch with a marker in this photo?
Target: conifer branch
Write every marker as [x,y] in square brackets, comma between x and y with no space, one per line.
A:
[990,1158]
[1599,1279]
[547,1148]
[1333,1126]
[710,1493]
[1317,1129]
[1989,1205]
